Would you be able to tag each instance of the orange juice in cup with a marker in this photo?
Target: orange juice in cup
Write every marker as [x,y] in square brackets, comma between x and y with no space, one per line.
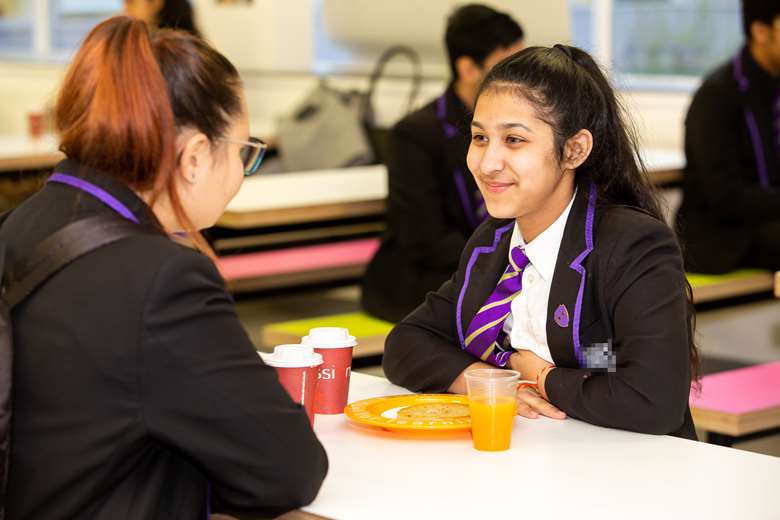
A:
[493,404]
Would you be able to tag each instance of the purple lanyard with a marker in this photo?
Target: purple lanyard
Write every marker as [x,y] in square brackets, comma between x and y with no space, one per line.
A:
[99,193]
[755,136]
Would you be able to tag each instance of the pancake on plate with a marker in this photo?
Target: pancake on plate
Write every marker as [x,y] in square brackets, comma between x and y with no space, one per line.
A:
[434,410]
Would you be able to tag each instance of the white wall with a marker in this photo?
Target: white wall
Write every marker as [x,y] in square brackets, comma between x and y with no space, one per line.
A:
[24,86]
[272,43]
[659,116]
[266,35]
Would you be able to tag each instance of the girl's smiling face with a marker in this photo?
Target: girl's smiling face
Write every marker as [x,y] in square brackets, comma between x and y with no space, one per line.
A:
[513,160]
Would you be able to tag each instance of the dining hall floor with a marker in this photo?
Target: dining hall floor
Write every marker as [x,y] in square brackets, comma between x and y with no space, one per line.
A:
[728,337]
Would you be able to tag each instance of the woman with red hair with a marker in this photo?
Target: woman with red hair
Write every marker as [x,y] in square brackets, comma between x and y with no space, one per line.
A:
[137,393]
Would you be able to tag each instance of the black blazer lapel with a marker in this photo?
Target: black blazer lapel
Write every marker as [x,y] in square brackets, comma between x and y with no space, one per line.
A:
[485,266]
[567,291]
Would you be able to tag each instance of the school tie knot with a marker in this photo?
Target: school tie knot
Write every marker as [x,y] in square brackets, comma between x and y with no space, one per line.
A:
[518,259]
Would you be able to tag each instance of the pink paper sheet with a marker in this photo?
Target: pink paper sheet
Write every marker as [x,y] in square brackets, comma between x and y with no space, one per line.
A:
[740,391]
[297,259]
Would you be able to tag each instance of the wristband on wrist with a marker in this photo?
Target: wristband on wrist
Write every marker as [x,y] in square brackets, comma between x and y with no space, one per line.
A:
[539,377]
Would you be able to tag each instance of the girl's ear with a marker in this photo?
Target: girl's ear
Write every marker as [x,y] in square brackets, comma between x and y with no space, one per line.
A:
[577,149]
[195,156]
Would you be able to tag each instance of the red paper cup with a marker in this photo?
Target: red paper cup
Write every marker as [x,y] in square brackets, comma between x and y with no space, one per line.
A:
[335,345]
[35,124]
[297,367]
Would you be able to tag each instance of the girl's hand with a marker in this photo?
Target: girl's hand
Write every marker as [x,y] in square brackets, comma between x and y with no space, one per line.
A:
[530,404]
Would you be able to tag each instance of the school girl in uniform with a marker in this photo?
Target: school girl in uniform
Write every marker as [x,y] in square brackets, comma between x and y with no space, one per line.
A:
[575,282]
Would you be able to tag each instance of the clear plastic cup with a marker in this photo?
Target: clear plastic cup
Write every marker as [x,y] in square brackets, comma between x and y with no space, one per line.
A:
[297,367]
[336,346]
[493,403]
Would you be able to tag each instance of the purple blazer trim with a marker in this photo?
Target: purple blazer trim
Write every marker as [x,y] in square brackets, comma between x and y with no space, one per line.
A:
[441,114]
[474,254]
[750,118]
[99,193]
[577,266]
[460,184]
[758,150]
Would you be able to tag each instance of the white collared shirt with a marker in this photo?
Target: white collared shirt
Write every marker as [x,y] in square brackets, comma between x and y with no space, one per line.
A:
[527,325]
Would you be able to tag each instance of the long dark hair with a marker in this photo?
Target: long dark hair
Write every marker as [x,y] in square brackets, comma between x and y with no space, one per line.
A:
[177,14]
[128,92]
[570,92]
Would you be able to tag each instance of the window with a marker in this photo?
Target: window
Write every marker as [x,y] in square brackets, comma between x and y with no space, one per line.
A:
[71,20]
[673,37]
[658,43]
[16,21]
[48,29]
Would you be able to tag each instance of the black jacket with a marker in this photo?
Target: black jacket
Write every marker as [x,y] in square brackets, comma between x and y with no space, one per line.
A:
[430,209]
[629,287]
[137,393]
[723,199]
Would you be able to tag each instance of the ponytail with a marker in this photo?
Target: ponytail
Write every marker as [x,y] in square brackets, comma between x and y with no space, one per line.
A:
[127,93]
[113,113]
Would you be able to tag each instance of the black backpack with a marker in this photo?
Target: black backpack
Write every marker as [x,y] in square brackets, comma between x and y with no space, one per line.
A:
[17,282]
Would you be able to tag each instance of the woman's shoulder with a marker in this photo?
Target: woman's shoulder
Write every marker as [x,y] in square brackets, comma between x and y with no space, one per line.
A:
[420,126]
[156,264]
[628,221]
[626,228]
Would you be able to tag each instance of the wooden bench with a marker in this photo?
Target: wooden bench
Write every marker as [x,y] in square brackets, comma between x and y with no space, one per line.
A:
[297,265]
[738,404]
[370,332]
[707,288]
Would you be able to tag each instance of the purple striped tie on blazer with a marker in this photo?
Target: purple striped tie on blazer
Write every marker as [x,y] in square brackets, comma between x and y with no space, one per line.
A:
[482,336]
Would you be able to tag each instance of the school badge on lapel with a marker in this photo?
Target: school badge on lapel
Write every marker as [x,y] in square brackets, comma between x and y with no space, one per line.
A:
[561,316]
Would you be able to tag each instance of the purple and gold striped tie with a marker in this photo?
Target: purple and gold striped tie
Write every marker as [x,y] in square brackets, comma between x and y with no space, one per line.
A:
[485,332]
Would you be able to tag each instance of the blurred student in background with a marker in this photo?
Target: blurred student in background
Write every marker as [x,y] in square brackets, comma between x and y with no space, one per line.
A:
[164,14]
[137,392]
[433,203]
[730,214]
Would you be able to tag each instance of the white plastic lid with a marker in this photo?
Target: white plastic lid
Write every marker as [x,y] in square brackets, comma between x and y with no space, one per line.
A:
[329,337]
[292,356]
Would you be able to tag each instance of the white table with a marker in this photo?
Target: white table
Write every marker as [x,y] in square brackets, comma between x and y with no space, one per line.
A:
[22,153]
[555,469]
[664,165]
[297,197]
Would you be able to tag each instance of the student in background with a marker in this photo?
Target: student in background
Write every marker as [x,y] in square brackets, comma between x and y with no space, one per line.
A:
[433,203]
[576,282]
[730,214]
[137,392]
[164,14]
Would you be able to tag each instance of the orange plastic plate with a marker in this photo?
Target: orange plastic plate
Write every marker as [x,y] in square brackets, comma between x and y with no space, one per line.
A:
[378,412]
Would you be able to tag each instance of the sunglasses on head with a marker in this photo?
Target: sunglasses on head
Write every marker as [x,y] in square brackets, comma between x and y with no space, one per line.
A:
[252,153]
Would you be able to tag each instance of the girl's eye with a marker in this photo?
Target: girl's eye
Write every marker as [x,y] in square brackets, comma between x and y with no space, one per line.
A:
[513,139]
[478,138]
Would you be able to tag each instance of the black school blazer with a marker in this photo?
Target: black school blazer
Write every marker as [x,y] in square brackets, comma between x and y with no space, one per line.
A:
[137,392]
[618,278]
[430,209]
